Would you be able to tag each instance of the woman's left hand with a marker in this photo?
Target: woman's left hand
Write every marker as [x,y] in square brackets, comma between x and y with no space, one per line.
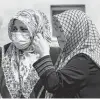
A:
[40,45]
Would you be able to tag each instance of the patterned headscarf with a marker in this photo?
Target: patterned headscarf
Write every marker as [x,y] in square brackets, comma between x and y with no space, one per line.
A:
[36,22]
[81,36]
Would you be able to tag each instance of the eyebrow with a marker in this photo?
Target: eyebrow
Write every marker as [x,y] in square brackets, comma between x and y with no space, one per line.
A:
[23,27]
[13,23]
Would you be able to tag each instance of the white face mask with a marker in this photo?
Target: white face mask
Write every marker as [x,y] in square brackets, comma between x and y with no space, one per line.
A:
[21,40]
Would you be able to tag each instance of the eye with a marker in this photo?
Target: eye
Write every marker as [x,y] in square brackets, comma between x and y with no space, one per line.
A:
[61,30]
[23,29]
[14,29]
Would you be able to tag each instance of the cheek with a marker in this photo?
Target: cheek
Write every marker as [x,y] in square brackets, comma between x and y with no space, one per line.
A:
[13,37]
[26,37]
[63,37]
[17,37]
[54,33]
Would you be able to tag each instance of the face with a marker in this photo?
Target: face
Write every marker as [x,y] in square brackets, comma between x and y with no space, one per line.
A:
[20,35]
[61,38]
[19,26]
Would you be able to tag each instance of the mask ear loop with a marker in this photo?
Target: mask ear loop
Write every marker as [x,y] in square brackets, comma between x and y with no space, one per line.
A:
[31,48]
[31,44]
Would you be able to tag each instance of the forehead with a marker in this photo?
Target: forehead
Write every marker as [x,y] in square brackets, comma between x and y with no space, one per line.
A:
[18,23]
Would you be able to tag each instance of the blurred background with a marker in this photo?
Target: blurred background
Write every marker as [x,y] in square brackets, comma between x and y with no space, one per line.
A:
[8,8]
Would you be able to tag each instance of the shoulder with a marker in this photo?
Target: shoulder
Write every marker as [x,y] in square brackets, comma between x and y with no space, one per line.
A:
[81,58]
[80,61]
[0,51]
[6,47]
[0,55]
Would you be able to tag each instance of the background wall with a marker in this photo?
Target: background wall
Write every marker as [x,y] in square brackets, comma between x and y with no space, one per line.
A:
[9,8]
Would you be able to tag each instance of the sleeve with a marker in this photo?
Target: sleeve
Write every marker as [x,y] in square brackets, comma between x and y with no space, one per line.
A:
[69,79]
[1,72]
[0,55]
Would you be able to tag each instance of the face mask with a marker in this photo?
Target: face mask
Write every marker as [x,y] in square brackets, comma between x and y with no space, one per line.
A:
[21,40]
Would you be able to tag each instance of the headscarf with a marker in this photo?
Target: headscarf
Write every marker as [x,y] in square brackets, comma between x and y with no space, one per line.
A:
[36,22]
[81,36]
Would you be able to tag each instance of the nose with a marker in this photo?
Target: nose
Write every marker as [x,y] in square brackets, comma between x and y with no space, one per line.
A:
[58,37]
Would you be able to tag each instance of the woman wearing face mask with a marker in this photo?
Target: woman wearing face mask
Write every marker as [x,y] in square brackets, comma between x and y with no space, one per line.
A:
[77,70]
[18,78]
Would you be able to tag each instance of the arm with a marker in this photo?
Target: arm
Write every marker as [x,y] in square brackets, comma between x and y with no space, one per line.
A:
[70,78]
[1,72]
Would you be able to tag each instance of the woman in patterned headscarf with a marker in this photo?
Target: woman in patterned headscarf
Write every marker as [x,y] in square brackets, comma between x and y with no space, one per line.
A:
[18,78]
[77,70]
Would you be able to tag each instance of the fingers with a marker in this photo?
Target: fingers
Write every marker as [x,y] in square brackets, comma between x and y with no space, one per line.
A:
[35,42]
[39,35]
[36,38]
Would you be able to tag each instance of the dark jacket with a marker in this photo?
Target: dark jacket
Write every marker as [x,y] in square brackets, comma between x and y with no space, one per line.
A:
[79,78]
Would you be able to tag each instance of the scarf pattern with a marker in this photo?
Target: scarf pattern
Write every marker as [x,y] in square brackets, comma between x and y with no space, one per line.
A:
[10,66]
[81,36]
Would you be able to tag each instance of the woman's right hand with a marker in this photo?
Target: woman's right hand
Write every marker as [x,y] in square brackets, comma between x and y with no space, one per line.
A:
[31,57]
[40,45]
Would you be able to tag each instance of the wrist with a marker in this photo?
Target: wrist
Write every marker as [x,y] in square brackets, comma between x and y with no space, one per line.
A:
[45,54]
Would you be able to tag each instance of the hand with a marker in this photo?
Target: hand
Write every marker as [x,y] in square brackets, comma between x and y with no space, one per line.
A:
[40,45]
[31,57]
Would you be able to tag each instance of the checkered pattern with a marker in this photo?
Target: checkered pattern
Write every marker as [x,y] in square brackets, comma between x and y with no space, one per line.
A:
[81,36]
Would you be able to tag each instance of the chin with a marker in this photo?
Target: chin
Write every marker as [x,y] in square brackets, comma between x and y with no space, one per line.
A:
[61,47]
[21,48]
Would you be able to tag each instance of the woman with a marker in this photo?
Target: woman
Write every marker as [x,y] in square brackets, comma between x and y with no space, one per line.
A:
[77,70]
[18,78]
